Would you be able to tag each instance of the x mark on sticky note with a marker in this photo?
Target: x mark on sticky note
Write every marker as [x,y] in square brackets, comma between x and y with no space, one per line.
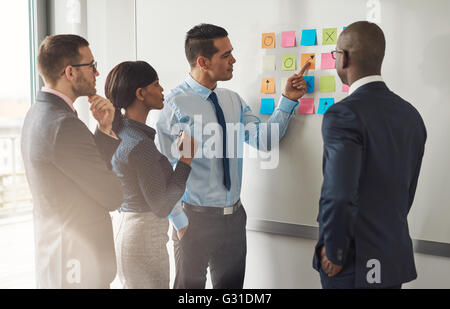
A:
[329,36]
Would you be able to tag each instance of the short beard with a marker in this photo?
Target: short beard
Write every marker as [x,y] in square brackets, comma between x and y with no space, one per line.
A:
[82,88]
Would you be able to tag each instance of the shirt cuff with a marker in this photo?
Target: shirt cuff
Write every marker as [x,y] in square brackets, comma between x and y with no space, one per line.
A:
[179,221]
[286,105]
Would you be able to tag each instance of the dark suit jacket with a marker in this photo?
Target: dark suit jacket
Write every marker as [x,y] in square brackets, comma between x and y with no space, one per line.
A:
[373,147]
[73,192]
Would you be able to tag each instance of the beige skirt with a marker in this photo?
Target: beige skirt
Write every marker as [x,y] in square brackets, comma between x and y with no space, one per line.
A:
[142,257]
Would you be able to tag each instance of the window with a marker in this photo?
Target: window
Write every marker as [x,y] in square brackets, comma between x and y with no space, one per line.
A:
[16,229]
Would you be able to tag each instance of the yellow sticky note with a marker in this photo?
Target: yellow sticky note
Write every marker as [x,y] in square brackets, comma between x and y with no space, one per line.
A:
[327,84]
[268,40]
[305,58]
[269,63]
[268,85]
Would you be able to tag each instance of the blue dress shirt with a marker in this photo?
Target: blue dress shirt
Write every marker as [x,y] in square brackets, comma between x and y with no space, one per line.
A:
[187,108]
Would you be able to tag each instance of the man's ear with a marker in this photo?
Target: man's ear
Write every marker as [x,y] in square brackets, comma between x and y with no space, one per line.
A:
[203,63]
[345,59]
[69,73]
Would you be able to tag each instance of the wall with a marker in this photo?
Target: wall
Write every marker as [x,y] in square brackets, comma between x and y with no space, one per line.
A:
[413,68]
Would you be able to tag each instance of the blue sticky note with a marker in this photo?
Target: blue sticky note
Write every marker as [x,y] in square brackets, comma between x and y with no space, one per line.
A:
[309,37]
[324,104]
[267,106]
[309,83]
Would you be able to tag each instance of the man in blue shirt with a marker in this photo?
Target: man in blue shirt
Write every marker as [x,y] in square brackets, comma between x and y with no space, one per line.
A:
[210,217]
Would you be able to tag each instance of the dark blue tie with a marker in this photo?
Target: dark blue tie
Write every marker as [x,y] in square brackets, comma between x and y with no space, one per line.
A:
[221,120]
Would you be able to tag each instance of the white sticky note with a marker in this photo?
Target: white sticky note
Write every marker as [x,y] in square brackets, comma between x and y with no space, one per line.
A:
[283,83]
[269,63]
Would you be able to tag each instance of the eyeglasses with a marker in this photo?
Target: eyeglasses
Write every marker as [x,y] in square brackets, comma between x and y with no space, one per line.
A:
[337,51]
[92,64]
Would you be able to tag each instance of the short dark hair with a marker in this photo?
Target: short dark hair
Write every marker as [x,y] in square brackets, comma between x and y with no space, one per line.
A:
[123,81]
[56,52]
[200,42]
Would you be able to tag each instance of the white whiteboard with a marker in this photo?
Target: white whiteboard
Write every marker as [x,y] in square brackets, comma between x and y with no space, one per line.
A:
[416,67]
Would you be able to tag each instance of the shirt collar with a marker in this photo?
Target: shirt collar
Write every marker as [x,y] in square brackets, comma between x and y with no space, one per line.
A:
[61,95]
[198,88]
[149,131]
[362,81]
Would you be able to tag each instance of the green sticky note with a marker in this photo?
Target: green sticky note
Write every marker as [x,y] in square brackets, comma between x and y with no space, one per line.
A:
[327,84]
[289,62]
[329,36]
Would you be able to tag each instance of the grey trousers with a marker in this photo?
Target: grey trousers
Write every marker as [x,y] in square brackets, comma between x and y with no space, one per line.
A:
[142,257]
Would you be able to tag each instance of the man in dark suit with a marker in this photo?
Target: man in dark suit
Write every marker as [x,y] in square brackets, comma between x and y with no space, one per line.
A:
[373,147]
[67,168]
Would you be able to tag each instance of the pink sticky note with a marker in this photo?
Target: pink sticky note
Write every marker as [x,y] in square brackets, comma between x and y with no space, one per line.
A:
[306,106]
[288,39]
[345,88]
[327,62]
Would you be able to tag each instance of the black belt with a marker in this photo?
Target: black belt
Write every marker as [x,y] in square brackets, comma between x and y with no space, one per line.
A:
[229,210]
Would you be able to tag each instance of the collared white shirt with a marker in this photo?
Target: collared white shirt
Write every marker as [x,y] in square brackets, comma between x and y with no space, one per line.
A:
[365,80]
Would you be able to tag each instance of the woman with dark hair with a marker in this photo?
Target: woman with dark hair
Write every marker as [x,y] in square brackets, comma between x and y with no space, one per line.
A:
[151,187]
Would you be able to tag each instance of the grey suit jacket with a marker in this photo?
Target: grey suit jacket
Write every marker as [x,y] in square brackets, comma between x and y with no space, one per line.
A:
[73,189]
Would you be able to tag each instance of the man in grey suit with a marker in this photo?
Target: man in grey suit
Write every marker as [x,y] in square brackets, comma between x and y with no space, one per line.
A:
[68,172]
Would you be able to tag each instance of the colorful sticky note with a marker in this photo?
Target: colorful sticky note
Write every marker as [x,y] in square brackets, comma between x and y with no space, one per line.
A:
[309,37]
[268,40]
[268,85]
[345,88]
[283,83]
[289,62]
[306,106]
[267,106]
[309,83]
[324,105]
[288,39]
[329,36]
[305,57]
[327,62]
[269,63]
[327,84]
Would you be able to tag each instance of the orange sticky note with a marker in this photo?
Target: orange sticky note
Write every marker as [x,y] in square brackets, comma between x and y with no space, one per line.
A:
[268,40]
[268,85]
[305,58]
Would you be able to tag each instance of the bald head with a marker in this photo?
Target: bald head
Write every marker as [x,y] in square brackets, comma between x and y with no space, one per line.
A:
[365,44]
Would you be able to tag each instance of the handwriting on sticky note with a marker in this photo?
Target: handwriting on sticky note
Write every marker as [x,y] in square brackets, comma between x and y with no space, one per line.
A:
[289,62]
[306,106]
[329,36]
[268,40]
[309,83]
[309,37]
[327,84]
[324,105]
[267,106]
[327,62]
[268,85]
[288,39]
[308,57]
